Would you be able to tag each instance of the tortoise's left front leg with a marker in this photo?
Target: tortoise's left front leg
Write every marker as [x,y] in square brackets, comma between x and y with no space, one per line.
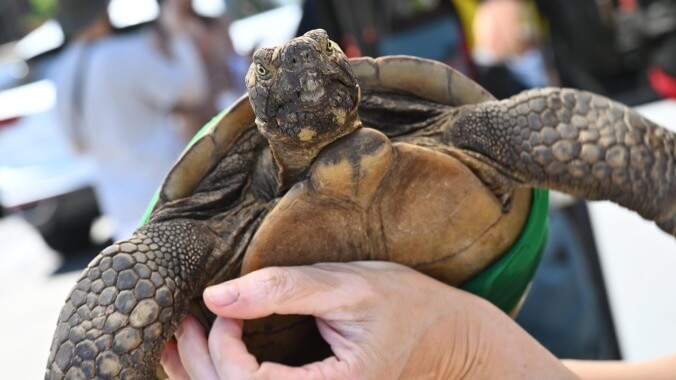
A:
[575,142]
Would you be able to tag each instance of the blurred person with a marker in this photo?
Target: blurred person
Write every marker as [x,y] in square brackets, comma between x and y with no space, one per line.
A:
[225,68]
[506,50]
[436,29]
[115,97]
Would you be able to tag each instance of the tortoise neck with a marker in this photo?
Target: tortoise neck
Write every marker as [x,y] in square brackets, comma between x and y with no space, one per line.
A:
[293,160]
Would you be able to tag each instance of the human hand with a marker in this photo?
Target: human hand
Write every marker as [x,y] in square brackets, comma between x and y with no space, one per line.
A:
[382,320]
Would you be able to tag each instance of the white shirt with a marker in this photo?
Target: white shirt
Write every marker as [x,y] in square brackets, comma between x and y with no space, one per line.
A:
[128,90]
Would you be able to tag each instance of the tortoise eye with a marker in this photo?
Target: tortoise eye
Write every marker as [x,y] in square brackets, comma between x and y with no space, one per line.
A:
[329,46]
[261,70]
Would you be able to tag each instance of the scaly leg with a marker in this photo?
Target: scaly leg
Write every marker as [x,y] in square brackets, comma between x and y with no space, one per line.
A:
[575,142]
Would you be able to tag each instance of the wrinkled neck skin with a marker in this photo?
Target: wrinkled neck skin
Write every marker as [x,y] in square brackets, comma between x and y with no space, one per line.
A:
[294,158]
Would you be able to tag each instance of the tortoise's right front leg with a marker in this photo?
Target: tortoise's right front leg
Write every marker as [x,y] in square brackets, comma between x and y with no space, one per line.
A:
[129,301]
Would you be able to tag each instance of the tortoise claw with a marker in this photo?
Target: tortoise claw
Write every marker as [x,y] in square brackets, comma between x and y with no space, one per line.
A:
[506,200]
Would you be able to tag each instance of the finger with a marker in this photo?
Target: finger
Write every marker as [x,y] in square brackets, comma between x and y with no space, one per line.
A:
[233,361]
[329,368]
[194,350]
[171,361]
[229,354]
[309,290]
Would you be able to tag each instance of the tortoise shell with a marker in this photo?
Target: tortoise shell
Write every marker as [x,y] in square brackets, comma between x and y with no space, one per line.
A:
[491,237]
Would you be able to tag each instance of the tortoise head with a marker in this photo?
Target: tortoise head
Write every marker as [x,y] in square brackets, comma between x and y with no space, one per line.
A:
[303,92]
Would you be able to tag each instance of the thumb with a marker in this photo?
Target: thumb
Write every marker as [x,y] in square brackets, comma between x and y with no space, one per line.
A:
[307,290]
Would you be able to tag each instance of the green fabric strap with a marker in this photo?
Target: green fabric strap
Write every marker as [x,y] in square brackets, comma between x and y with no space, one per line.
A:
[505,281]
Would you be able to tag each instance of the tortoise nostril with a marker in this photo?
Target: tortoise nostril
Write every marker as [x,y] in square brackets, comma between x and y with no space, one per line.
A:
[298,94]
[293,60]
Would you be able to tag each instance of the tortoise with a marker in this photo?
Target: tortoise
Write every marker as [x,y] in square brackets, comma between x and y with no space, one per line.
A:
[329,159]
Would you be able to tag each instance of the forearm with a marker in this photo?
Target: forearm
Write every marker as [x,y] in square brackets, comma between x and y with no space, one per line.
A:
[662,368]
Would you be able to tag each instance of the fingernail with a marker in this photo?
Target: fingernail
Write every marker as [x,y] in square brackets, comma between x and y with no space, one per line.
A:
[222,295]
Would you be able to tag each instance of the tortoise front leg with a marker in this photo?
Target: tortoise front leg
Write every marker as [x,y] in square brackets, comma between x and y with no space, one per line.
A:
[129,301]
[575,142]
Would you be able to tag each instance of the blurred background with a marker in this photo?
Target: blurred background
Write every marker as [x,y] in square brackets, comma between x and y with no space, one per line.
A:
[97,99]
